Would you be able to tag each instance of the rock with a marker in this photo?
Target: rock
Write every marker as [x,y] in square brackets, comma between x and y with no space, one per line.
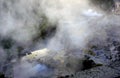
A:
[2,75]
[97,72]
[63,64]
[117,6]
[98,66]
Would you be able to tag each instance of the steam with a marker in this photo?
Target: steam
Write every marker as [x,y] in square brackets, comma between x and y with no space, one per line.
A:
[18,19]
[74,20]
[78,23]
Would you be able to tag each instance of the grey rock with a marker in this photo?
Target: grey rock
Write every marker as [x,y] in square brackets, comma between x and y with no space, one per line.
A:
[98,72]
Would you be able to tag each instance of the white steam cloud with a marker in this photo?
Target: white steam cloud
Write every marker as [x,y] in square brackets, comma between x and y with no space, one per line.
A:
[77,24]
[74,20]
[19,19]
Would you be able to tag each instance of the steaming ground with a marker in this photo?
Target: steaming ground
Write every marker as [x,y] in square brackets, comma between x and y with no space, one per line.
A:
[78,27]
